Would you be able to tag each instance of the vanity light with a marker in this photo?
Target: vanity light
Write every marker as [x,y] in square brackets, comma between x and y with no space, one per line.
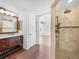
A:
[2,11]
[7,13]
[69,1]
[12,14]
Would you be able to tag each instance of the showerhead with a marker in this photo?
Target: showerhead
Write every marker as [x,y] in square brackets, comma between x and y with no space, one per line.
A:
[67,11]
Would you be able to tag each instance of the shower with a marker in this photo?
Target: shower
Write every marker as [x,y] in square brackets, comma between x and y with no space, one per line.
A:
[67,34]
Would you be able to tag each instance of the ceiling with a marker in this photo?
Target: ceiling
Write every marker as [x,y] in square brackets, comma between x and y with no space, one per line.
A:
[63,4]
[21,5]
[25,6]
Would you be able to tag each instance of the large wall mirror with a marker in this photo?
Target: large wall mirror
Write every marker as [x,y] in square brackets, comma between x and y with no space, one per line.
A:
[8,24]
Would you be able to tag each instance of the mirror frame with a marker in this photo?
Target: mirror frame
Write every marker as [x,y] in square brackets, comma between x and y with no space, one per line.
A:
[16,27]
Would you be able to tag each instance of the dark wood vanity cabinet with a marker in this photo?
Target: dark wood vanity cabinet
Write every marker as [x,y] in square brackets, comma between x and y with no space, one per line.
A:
[10,45]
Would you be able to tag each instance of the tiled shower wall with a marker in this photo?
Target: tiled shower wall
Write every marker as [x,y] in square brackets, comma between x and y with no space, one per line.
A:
[68,40]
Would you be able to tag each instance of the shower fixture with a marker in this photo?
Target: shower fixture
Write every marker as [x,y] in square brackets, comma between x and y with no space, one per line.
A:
[67,11]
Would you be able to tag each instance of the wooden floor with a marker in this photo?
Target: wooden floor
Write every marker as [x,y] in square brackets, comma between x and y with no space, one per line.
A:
[33,53]
[43,53]
[16,55]
[40,51]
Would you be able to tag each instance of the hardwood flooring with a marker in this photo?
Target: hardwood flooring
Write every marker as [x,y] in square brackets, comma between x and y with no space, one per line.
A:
[36,52]
[41,51]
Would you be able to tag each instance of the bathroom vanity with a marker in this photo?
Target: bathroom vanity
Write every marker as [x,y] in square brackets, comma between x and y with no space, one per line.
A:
[10,45]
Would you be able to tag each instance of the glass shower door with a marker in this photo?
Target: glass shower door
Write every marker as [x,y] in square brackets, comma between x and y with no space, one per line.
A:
[67,35]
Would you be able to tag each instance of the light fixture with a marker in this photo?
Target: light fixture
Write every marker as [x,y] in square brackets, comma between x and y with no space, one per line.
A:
[2,11]
[12,14]
[7,12]
[69,1]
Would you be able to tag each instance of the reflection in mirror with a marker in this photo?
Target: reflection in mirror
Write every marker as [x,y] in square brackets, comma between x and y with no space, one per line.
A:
[8,24]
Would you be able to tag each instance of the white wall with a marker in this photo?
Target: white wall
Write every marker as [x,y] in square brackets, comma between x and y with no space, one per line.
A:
[29,29]
[27,10]
[39,7]
[14,10]
[43,6]
[25,16]
[46,27]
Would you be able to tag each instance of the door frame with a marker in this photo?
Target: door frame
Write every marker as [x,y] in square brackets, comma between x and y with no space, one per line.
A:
[53,18]
[37,26]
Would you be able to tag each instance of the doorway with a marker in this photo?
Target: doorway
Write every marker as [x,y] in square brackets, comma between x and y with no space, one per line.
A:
[44,34]
[44,29]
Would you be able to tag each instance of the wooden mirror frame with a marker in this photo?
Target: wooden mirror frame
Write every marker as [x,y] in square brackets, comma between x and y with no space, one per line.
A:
[16,27]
